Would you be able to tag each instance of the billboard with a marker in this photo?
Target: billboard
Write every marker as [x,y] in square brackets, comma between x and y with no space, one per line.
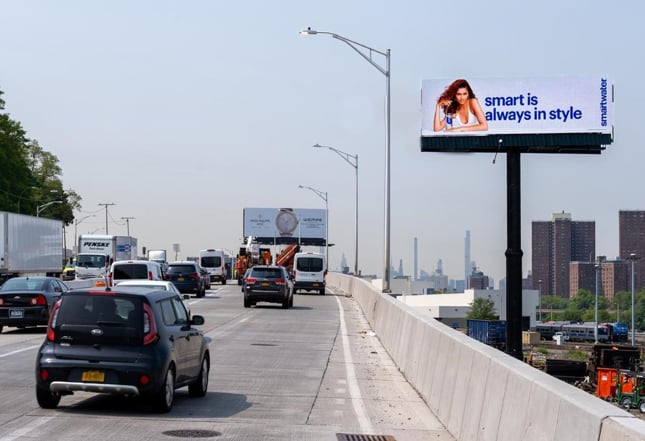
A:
[285,225]
[551,113]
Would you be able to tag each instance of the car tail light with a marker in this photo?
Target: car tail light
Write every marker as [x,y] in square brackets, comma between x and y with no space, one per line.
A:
[44,374]
[1,302]
[51,335]
[39,300]
[193,276]
[144,379]
[250,280]
[149,275]
[166,277]
[110,279]
[149,325]
[279,281]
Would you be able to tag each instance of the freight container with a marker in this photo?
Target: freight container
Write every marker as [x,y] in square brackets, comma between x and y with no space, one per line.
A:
[491,332]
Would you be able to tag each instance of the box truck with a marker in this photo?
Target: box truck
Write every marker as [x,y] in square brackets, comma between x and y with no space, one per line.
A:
[97,251]
[30,245]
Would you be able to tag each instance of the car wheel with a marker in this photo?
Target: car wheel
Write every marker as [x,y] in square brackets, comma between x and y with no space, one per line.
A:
[47,399]
[626,402]
[322,292]
[162,400]
[239,281]
[223,281]
[291,301]
[200,386]
[0,329]
[247,303]
[285,303]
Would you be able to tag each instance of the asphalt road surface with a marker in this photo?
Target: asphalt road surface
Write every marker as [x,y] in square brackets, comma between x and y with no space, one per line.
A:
[306,373]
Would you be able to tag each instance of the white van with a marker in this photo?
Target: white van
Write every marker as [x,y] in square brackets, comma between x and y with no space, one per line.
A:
[212,260]
[309,272]
[134,270]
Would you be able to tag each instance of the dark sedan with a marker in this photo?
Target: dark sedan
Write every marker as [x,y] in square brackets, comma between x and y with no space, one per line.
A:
[268,283]
[26,301]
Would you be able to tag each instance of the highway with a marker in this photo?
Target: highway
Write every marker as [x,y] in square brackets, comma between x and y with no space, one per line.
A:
[307,373]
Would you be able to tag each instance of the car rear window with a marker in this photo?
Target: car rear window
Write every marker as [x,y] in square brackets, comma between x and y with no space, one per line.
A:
[23,285]
[312,264]
[267,273]
[211,261]
[130,271]
[187,268]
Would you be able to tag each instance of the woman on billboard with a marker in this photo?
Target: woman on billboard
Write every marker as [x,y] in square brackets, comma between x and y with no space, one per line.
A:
[458,109]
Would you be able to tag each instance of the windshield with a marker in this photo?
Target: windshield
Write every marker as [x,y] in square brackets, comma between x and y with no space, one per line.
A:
[312,264]
[90,261]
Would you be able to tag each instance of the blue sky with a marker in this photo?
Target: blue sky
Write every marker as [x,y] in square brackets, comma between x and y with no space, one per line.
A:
[184,113]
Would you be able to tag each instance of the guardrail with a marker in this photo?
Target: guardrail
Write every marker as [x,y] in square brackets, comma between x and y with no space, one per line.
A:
[478,392]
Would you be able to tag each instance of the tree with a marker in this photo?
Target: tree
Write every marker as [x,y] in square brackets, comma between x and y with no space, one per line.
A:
[482,309]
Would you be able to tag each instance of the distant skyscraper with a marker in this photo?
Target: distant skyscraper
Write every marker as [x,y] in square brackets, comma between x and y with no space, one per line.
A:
[555,244]
[631,239]
[400,267]
[468,269]
[415,276]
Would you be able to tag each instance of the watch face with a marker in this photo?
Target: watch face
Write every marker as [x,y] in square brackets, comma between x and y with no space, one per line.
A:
[286,222]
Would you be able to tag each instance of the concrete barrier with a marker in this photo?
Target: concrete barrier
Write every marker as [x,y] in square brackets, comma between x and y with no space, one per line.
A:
[478,392]
[84,283]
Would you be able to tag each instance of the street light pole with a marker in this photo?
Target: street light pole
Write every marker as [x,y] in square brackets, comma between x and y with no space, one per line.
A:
[540,298]
[353,161]
[595,329]
[322,195]
[366,52]
[42,207]
[633,258]
[106,215]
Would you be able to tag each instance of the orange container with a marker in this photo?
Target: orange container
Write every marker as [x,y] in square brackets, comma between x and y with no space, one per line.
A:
[606,385]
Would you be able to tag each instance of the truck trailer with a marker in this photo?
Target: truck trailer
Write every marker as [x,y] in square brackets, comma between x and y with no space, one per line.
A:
[30,246]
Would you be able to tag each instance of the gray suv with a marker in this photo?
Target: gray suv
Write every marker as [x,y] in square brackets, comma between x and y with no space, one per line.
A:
[267,283]
[127,341]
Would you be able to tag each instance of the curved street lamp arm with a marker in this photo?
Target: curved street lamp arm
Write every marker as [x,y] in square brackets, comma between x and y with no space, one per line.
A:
[350,159]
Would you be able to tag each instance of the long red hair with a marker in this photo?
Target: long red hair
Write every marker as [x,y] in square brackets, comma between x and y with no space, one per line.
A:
[451,92]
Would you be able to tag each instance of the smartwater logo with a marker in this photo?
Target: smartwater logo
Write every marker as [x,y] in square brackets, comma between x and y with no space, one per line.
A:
[603,102]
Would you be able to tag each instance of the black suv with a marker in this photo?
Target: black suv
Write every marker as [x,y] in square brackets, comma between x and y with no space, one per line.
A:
[187,277]
[123,341]
[267,283]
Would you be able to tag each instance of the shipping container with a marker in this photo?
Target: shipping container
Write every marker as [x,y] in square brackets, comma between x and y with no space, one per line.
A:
[491,332]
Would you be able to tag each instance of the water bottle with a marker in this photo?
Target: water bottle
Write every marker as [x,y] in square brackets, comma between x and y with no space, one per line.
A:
[448,120]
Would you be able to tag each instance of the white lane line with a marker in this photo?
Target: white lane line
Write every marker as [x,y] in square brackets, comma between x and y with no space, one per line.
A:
[354,391]
[18,433]
[28,348]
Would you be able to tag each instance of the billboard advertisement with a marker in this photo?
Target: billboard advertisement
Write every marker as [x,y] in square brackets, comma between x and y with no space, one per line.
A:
[479,107]
[285,223]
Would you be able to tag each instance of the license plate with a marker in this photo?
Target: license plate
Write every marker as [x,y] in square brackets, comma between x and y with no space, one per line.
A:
[16,313]
[265,283]
[180,279]
[93,376]
[315,284]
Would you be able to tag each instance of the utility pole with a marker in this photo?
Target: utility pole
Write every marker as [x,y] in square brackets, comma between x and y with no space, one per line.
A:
[106,215]
[127,222]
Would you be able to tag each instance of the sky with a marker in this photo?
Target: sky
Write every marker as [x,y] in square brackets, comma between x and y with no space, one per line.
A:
[183,113]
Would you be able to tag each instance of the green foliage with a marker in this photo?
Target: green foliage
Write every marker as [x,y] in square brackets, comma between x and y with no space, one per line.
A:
[482,309]
[577,354]
[31,176]
[542,350]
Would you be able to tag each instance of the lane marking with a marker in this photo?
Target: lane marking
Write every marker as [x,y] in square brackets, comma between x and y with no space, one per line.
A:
[28,348]
[352,383]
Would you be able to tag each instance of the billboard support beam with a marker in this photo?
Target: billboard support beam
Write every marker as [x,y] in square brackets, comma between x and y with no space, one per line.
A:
[513,255]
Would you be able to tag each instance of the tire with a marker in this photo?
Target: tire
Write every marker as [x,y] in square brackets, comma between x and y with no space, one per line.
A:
[641,406]
[223,281]
[285,303]
[239,281]
[162,400]
[47,399]
[0,329]
[626,402]
[291,301]
[322,292]
[247,303]
[200,386]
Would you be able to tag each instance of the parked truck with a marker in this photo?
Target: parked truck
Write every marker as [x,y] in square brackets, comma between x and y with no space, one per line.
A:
[97,251]
[30,245]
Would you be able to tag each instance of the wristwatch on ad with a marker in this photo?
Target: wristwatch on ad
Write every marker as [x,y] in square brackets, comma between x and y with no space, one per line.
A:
[286,221]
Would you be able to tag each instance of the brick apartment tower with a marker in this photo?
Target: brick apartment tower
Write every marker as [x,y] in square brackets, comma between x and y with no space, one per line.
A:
[631,238]
[554,245]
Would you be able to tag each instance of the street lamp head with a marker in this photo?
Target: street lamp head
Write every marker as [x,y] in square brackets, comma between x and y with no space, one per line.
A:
[308,31]
[317,146]
[301,186]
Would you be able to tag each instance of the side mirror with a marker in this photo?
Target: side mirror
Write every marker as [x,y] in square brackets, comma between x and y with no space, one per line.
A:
[197,320]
